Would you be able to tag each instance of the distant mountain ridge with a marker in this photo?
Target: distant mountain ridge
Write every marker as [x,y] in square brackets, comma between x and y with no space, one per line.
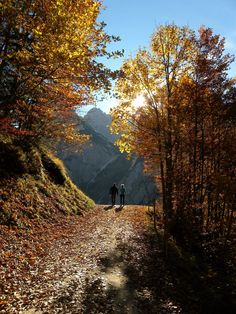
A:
[101,164]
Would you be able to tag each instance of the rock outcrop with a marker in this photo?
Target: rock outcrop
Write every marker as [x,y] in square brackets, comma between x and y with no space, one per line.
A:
[101,164]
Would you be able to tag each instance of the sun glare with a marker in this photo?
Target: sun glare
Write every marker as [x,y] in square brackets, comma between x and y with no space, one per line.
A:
[139,101]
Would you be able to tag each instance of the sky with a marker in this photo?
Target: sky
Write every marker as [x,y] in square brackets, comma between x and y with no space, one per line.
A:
[134,21]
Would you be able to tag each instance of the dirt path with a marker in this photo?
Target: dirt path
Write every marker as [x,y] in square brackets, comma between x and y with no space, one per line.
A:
[109,263]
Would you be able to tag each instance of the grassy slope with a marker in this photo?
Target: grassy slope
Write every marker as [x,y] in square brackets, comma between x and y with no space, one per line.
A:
[35,185]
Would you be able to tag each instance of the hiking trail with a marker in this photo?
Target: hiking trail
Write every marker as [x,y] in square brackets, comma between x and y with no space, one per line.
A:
[108,261]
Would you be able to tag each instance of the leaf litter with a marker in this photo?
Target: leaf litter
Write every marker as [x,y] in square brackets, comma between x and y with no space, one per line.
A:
[104,262]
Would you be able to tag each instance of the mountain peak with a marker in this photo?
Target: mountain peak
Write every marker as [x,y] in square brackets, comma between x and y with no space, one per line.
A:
[100,121]
[96,111]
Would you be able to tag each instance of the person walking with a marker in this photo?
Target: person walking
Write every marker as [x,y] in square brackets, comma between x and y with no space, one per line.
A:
[113,193]
[122,194]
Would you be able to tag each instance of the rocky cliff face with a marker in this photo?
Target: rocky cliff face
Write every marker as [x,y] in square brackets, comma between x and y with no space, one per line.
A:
[101,164]
[100,121]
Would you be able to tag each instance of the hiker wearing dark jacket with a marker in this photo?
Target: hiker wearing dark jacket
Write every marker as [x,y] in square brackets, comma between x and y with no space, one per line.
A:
[113,193]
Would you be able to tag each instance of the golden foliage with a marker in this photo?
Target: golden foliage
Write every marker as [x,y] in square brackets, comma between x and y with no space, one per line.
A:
[49,63]
[183,128]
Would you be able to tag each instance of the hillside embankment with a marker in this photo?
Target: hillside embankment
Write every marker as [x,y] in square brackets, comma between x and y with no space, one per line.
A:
[34,187]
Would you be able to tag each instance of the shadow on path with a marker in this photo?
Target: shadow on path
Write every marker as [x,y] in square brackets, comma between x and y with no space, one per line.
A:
[137,281]
[140,281]
[131,276]
[118,209]
[108,207]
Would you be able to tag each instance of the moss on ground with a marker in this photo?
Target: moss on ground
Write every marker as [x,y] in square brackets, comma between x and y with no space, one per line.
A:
[35,185]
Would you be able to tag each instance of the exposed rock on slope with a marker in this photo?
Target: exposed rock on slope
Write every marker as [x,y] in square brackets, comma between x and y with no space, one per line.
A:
[101,164]
[99,121]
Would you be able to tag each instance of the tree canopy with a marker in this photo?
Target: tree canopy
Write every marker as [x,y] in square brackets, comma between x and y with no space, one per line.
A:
[49,64]
[184,128]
